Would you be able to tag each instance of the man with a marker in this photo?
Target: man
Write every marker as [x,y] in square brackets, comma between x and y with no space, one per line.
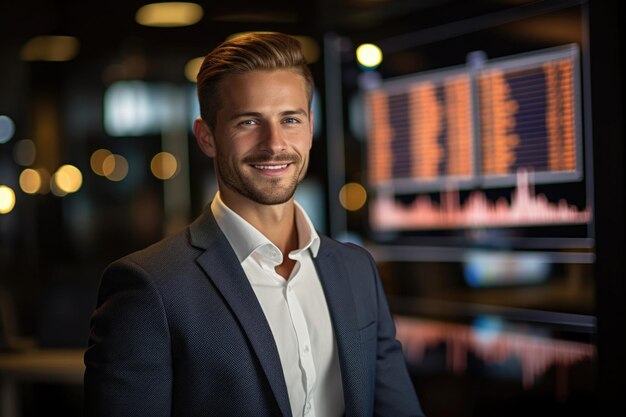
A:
[248,312]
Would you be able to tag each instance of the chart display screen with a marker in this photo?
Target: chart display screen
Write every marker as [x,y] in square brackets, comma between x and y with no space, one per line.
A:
[493,143]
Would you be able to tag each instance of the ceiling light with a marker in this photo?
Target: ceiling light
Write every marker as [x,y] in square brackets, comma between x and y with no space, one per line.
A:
[50,48]
[169,14]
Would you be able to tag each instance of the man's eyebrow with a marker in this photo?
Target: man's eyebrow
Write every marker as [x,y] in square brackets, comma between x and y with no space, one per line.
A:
[296,112]
[245,114]
[300,112]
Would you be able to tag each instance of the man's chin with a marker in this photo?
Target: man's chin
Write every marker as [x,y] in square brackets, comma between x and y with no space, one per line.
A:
[270,197]
[271,200]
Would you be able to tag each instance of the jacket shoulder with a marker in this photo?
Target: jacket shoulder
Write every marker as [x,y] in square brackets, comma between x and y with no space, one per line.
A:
[172,253]
[344,248]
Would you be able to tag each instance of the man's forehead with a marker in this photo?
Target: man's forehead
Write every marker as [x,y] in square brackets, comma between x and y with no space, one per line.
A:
[283,76]
[275,88]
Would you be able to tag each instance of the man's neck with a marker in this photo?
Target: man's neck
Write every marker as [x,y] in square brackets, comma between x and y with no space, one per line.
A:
[276,222]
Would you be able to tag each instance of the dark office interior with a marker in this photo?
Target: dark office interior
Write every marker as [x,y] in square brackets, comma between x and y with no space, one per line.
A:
[496,220]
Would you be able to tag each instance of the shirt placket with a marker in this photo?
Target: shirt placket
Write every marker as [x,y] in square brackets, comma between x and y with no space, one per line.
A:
[304,348]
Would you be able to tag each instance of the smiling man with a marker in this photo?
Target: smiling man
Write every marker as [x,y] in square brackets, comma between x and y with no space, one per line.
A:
[248,311]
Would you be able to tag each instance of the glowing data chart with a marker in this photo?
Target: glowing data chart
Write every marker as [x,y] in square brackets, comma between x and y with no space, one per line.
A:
[511,122]
[525,209]
[528,118]
[536,353]
[477,125]
[421,131]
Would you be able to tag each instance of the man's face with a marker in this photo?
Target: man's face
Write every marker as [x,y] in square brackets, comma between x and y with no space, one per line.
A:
[262,136]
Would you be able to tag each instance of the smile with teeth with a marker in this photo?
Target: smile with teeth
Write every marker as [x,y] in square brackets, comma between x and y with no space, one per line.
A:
[271,167]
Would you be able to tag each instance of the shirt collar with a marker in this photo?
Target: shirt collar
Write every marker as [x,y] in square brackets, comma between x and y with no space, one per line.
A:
[245,239]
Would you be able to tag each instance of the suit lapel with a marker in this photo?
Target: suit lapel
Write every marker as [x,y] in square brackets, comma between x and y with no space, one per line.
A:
[223,268]
[333,275]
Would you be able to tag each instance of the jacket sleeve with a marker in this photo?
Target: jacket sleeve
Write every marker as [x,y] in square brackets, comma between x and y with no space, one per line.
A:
[128,361]
[394,392]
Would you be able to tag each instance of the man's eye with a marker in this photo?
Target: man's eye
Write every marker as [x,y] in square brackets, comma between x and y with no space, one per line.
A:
[248,122]
[291,120]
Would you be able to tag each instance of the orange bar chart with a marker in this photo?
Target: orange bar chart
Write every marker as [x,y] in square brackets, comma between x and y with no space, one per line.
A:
[510,124]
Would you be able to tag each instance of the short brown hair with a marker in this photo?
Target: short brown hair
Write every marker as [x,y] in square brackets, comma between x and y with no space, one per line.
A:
[244,53]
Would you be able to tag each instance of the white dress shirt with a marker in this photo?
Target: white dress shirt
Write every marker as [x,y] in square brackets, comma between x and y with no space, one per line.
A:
[295,309]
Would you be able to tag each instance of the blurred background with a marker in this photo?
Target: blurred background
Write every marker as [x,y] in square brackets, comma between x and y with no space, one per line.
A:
[475,148]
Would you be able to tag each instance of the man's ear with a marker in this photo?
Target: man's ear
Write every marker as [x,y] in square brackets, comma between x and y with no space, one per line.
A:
[204,137]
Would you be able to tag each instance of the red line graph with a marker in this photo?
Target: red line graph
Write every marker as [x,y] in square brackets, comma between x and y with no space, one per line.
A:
[536,353]
[524,209]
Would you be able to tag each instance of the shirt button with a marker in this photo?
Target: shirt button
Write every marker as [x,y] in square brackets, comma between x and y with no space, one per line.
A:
[306,349]
[307,407]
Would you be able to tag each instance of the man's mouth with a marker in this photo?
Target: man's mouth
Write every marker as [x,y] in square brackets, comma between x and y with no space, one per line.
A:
[270,167]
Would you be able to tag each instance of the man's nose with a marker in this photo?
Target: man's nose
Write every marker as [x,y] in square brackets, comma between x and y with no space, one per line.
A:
[273,138]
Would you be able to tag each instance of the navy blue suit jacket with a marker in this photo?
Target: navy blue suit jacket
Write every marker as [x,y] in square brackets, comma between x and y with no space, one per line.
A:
[178,331]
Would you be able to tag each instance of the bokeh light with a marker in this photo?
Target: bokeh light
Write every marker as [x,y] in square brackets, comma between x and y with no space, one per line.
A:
[24,152]
[169,14]
[164,165]
[45,180]
[50,48]
[54,187]
[30,181]
[192,67]
[115,167]
[7,129]
[7,199]
[352,196]
[369,55]
[97,159]
[68,179]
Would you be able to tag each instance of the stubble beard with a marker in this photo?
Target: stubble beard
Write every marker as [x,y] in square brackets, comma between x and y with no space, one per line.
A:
[268,191]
